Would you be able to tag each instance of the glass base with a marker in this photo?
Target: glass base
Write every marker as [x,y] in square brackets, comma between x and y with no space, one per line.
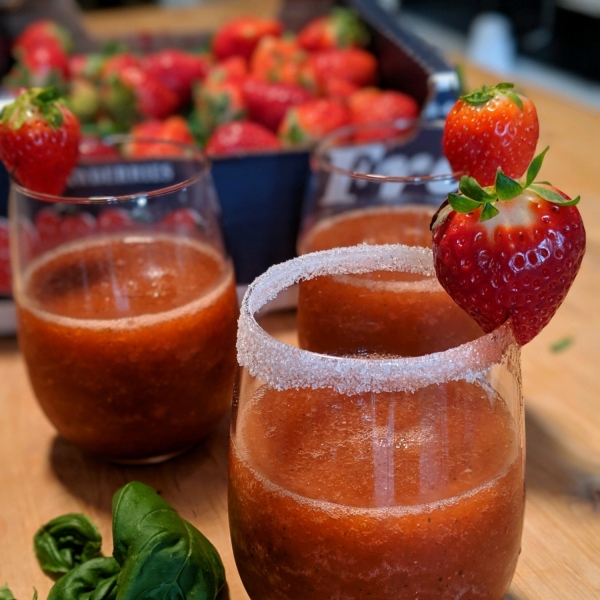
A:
[153,460]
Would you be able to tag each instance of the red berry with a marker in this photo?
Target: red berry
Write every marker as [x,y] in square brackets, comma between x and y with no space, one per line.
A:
[240,36]
[92,146]
[282,60]
[178,70]
[217,102]
[154,99]
[372,105]
[307,122]
[268,102]
[55,226]
[341,28]
[181,220]
[42,31]
[172,129]
[491,128]
[241,136]
[354,65]
[39,141]
[113,220]
[517,263]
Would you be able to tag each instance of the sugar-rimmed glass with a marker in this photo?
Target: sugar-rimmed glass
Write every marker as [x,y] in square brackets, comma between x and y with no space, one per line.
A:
[126,301]
[381,478]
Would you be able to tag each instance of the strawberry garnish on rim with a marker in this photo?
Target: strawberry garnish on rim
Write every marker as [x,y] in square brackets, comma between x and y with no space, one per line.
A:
[490,128]
[39,140]
[509,251]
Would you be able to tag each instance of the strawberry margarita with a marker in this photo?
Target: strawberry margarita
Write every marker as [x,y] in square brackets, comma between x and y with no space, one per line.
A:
[406,224]
[126,302]
[365,477]
[380,312]
[129,342]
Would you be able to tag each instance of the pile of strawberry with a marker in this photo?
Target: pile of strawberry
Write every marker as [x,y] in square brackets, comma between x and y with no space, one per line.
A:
[506,247]
[256,87]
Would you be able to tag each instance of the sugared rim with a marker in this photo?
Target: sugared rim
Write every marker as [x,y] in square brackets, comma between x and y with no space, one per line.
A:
[282,366]
[408,127]
[191,152]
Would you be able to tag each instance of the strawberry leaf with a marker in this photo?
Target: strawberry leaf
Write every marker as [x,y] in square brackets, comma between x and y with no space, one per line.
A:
[481,96]
[553,196]
[486,93]
[514,98]
[462,204]
[534,167]
[489,211]
[470,188]
[506,187]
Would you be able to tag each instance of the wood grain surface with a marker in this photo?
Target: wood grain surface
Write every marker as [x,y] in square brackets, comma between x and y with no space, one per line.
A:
[41,476]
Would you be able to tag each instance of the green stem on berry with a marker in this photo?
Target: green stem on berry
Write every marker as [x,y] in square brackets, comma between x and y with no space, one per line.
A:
[472,196]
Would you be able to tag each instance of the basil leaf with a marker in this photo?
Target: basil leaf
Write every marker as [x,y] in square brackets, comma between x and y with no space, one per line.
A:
[161,555]
[95,579]
[65,542]
[5,593]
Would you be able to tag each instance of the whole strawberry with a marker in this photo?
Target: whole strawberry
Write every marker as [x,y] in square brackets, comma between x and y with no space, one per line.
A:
[268,101]
[306,123]
[491,128]
[178,70]
[240,36]
[43,31]
[39,140]
[509,251]
[341,28]
[239,137]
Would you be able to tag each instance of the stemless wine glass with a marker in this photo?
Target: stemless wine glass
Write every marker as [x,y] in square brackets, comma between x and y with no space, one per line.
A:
[364,477]
[126,301]
[378,183]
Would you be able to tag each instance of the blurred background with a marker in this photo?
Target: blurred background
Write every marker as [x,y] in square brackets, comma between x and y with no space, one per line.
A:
[554,43]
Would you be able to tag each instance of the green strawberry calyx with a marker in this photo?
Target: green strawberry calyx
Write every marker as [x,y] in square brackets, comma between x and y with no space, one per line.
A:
[487,93]
[31,103]
[472,196]
[348,28]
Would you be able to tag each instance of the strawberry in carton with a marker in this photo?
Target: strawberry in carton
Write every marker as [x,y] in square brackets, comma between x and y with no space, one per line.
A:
[240,36]
[241,137]
[306,123]
[220,97]
[341,28]
[507,246]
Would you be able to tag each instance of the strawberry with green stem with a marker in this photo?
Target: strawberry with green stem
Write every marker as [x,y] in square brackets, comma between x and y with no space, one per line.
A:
[341,28]
[490,128]
[39,140]
[509,251]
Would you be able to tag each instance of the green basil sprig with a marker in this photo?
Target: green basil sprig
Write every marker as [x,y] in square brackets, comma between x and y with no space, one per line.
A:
[65,542]
[5,593]
[95,579]
[161,555]
[157,554]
